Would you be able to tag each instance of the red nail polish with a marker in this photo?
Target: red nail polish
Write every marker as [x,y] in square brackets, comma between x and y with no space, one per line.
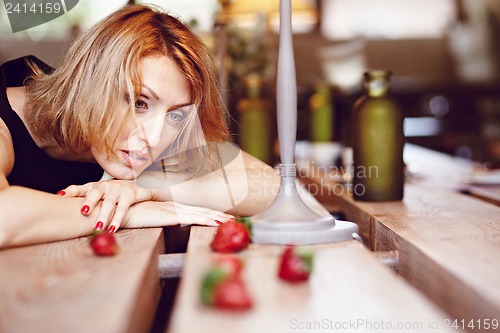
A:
[85,210]
[99,225]
[219,222]
[61,192]
[111,229]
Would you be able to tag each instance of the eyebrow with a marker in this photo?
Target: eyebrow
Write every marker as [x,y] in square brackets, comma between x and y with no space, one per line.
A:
[156,97]
[151,91]
[178,106]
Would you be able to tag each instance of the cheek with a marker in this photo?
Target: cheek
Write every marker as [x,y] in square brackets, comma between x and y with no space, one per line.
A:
[165,147]
[169,133]
[96,153]
[168,137]
[165,142]
[124,125]
[100,157]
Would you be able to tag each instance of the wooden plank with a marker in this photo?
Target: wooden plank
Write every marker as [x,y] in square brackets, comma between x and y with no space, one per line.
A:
[349,290]
[489,193]
[64,287]
[448,244]
[435,170]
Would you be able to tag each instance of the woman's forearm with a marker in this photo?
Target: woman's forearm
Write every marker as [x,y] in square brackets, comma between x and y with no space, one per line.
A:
[234,189]
[30,217]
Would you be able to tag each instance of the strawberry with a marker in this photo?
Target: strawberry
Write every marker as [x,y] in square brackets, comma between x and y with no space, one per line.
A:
[232,294]
[103,243]
[232,236]
[296,264]
[223,290]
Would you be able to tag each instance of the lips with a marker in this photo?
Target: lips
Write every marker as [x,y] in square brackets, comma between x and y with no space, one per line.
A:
[135,158]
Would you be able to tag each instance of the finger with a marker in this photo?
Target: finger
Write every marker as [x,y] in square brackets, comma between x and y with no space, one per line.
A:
[204,210]
[210,223]
[220,216]
[193,218]
[76,190]
[92,197]
[209,220]
[120,212]
[108,207]
[204,216]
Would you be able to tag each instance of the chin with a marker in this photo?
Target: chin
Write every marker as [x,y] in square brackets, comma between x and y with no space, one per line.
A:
[122,173]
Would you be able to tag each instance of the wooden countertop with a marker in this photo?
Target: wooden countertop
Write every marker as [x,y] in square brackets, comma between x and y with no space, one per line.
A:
[349,289]
[63,287]
[448,242]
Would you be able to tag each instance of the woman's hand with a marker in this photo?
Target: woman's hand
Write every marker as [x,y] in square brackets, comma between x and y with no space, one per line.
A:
[159,214]
[116,195]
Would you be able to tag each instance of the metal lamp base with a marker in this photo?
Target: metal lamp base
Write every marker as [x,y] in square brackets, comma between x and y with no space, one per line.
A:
[288,220]
[338,231]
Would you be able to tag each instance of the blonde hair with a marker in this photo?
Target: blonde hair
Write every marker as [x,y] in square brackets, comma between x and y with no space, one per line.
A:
[75,103]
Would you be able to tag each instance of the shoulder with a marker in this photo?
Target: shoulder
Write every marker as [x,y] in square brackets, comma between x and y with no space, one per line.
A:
[16,97]
[6,150]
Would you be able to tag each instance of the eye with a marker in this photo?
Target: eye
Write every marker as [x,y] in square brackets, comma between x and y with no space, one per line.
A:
[141,105]
[176,116]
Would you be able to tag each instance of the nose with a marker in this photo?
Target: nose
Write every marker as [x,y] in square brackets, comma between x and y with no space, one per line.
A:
[152,130]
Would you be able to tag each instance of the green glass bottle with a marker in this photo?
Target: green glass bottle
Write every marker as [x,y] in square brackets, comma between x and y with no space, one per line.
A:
[322,114]
[378,141]
[255,122]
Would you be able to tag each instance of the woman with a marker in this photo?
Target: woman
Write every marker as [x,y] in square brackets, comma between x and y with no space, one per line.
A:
[135,92]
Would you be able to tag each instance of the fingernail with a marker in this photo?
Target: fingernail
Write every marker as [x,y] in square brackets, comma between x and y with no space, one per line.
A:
[85,210]
[61,192]
[99,225]
[219,222]
[111,229]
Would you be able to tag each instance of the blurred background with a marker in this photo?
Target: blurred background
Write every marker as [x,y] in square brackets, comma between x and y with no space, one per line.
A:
[444,55]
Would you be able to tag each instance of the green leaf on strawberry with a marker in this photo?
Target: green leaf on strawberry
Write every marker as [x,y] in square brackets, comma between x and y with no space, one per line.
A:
[223,290]
[307,257]
[247,222]
[210,280]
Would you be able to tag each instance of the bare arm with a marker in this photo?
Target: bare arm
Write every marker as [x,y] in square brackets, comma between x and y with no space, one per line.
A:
[245,186]
[29,217]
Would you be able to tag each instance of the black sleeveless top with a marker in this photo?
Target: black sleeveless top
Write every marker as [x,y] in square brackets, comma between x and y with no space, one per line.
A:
[33,168]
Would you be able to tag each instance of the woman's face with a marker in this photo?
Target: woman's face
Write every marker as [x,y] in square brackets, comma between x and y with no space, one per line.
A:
[160,111]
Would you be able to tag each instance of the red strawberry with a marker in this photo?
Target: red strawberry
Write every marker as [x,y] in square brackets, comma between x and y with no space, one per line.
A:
[229,263]
[225,291]
[232,236]
[296,264]
[232,294]
[103,243]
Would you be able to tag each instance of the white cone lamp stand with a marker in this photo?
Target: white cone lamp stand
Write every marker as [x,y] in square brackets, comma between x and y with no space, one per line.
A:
[288,220]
